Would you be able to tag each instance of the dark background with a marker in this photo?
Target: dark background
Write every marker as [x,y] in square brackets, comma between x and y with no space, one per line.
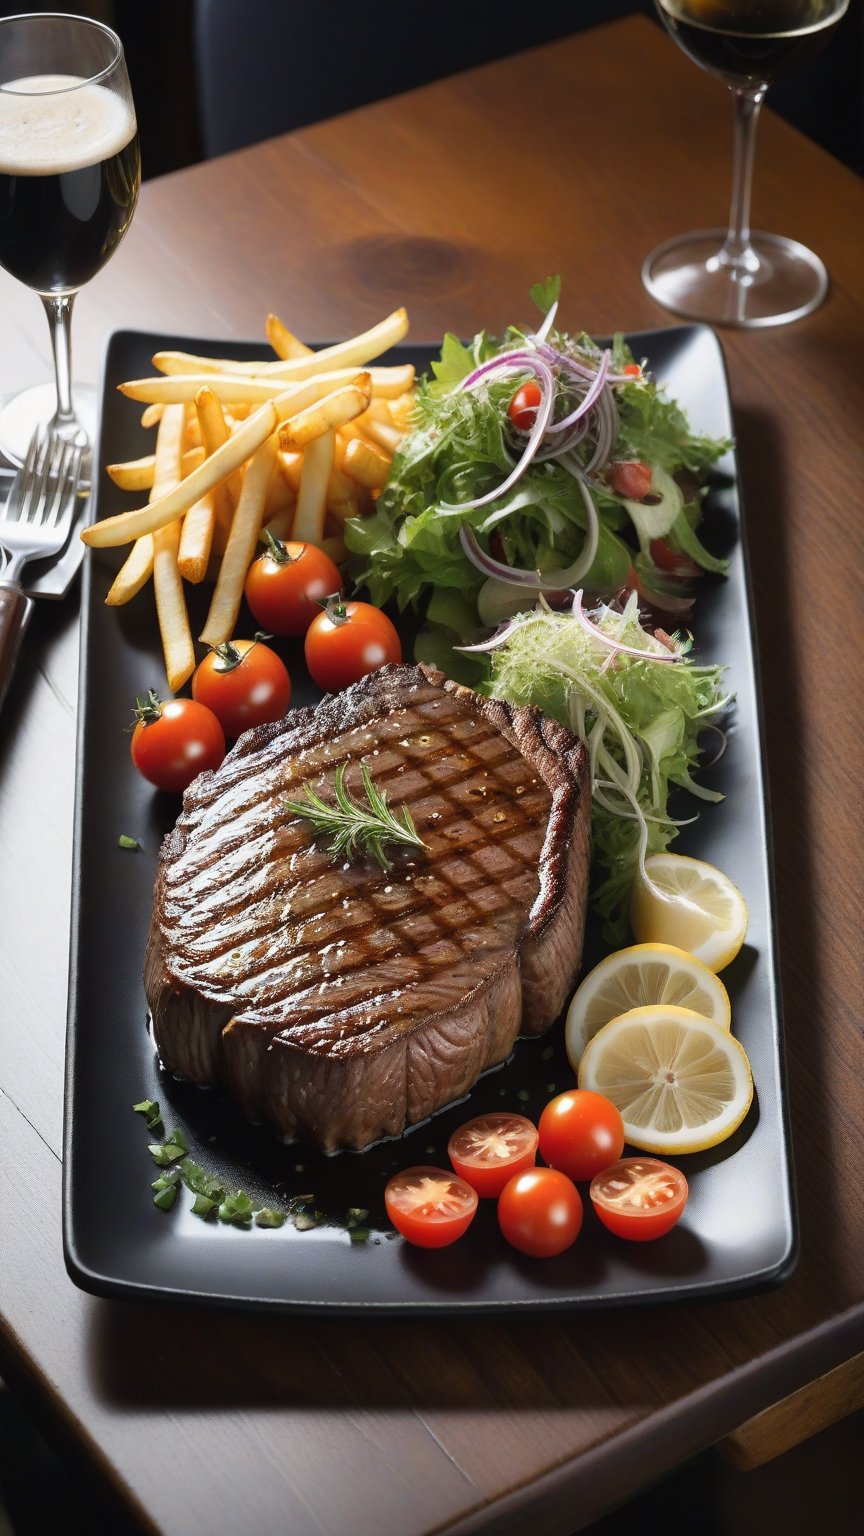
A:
[209,76]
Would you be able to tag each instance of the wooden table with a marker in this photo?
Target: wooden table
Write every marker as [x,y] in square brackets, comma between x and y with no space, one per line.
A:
[577,158]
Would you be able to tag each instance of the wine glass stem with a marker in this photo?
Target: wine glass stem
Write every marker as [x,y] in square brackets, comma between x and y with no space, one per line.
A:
[737,250]
[58,308]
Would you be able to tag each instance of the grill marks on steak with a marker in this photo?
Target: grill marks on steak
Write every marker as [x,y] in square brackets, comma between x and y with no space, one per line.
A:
[340,1000]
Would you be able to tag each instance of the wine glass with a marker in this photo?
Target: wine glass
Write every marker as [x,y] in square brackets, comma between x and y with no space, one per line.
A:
[739,276]
[70,170]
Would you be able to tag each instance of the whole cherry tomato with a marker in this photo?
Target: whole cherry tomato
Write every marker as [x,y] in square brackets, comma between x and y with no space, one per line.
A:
[540,1212]
[580,1133]
[429,1206]
[523,406]
[347,640]
[175,740]
[286,586]
[244,683]
[639,1198]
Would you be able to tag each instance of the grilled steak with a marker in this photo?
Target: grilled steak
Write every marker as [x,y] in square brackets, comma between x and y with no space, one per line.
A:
[339,1002]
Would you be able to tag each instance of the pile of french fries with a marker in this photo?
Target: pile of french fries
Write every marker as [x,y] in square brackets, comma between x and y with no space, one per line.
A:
[294,445]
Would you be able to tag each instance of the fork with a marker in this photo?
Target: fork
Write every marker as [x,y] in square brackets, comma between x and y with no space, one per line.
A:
[34,524]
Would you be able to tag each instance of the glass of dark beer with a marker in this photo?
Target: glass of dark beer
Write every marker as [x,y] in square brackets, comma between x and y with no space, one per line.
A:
[70,171]
[739,276]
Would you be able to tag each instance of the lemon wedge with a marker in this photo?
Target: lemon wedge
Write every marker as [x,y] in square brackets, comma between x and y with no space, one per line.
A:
[691,904]
[681,1082]
[635,977]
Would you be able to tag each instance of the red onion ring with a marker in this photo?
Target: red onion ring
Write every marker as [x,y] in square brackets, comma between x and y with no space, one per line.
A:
[616,645]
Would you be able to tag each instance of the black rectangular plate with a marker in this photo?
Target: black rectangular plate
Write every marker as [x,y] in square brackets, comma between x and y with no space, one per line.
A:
[738,1232]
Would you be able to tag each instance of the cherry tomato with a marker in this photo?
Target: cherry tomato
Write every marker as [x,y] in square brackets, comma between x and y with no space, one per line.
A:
[175,740]
[668,559]
[630,478]
[639,1198]
[347,640]
[486,1152]
[429,1206]
[244,683]
[523,406]
[540,1212]
[633,370]
[580,1133]
[285,586]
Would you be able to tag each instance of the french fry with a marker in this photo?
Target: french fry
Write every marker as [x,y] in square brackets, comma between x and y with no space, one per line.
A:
[279,494]
[232,389]
[240,549]
[133,574]
[196,539]
[290,465]
[152,416]
[171,607]
[355,352]
[342,498]
[384,435]
[279,527]
[366,465]
[308,522]
[402,410]
[167,585]
[284,343]
[214,432]
[157,514]
[303,426]
[137,474]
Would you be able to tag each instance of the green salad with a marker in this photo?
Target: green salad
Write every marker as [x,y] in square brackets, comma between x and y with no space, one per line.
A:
[547,487]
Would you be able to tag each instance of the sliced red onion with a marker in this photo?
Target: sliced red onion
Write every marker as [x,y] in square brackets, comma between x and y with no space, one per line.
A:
[519,358]
[617,645]
[549,581]
[541,334]
[500,637]
[588,399]
[535,437]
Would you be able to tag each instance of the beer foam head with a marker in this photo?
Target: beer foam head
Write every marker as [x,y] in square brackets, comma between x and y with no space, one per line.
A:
[55,123]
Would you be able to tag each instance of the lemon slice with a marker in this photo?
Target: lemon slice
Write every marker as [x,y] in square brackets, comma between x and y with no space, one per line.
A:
[681,1082]
[634,977]
[691,904]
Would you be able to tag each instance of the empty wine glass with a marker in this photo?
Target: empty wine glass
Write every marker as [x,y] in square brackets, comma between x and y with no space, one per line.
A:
[70,171]
[740,276]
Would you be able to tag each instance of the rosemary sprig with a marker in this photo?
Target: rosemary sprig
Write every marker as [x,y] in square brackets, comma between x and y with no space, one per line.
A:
[355,831]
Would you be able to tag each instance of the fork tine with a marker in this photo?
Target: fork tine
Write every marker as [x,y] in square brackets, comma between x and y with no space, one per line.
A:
[21,488]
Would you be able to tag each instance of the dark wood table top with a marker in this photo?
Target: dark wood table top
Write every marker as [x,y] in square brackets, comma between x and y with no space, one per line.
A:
[577,158]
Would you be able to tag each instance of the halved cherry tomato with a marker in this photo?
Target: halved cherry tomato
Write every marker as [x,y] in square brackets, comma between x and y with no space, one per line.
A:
[429,1206]
[668,559]
[174,741]
[540,1212]
[244,683]
[639,1197]
[630,478]
[523,406]
[286,586]
[347,640]
[580,1133]
[486,1152]
[633,370]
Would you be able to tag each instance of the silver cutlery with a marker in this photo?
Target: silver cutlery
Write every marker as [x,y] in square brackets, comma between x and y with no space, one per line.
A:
[34,524]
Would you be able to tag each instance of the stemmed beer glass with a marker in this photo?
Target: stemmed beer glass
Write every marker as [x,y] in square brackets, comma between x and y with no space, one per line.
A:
[70,171]
[748,278]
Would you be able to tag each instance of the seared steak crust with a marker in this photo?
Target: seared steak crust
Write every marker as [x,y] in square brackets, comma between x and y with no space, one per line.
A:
[340,1002]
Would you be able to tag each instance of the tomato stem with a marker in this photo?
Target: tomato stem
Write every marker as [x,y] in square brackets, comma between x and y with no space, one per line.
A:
[334,607]
[148,707]
[279,551]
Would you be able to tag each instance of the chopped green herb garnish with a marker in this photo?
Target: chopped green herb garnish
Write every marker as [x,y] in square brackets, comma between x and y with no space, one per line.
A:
[202,1205]
[128,842]
[269,1218]
[199,1182]
[175,1146]
[166,1190]
[359,1234]
[305,1220]
[236,1208]
[150,1110]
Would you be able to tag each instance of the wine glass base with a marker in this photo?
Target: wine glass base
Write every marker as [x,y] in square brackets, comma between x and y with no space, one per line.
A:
[689,276]
[22,413]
